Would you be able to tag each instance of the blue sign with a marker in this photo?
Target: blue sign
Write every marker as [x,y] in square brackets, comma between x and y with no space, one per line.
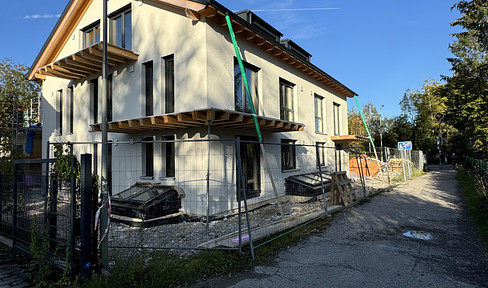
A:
[405,145]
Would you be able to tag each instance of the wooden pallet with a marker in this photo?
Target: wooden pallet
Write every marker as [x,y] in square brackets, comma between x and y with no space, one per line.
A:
[341,190]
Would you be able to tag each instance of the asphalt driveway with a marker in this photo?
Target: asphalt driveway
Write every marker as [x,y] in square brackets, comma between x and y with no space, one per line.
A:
[367,246]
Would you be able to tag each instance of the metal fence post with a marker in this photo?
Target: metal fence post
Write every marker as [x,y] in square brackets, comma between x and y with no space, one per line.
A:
[14,203]
[72,215]
[52,213]
[239,191]
[243,191]
[317,154]
[388,168]
[86,221]
[1,200]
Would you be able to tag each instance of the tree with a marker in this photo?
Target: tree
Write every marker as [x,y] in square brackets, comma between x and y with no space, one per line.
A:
[15,95]
[467,88]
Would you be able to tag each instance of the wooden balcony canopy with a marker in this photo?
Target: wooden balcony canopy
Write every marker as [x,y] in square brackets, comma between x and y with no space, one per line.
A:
[86,62]
[199,118]
[346,139]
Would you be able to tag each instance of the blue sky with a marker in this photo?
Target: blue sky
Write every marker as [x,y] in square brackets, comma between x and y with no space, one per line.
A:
[378,48]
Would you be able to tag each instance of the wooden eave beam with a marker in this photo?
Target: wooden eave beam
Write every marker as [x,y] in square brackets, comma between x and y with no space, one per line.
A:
[58,68]
[60,36]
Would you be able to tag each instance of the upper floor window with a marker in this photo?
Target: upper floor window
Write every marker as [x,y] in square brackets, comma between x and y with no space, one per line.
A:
[121,29]
[91,34]
[242,103]
[319,116]
[337,119]
[286,100]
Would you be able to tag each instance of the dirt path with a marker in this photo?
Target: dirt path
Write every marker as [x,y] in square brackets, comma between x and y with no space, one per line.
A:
[366,247]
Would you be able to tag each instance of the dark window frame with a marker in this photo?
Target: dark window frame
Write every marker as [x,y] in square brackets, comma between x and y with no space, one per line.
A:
[321,152]
[92,28]
[148,157]
[59,112]
[319,115]
[125,37]
[168,147]
[94,100]
[286,108]
[337,118]
[242,104]
[288,155]
[70,98]
[169,83]
[148,80]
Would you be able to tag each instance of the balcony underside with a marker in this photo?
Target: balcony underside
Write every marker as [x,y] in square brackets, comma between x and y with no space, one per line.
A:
[86,62]
[199,118]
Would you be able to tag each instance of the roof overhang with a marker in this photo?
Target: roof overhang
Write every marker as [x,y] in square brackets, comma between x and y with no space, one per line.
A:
[199,118]
[346,139]
[86,62]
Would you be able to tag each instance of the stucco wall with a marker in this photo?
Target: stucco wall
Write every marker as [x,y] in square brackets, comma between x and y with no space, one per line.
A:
[204,77]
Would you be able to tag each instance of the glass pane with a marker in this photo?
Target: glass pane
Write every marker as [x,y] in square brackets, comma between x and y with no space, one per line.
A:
[118,31]
[249,82]
[238,88]
[88,38]
[128,31]
[97,35]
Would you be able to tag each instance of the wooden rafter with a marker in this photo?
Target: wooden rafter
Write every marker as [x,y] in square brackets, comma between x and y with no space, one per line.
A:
[86,62]
[199,118]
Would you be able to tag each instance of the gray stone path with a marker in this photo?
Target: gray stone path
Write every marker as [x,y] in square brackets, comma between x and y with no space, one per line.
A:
[365,246]
[11,275]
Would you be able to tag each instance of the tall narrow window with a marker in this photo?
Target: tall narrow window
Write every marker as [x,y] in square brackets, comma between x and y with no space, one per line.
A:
[59,113]
[109,98]
[321,154]
[286,100]
[242,103]
[70,109]
[288,155]
[148,88]
[319,110]
[168,153]
[169,83]
[337,119]
[121,29]
[91,34]
[148,156]
[94,100]
[250,172]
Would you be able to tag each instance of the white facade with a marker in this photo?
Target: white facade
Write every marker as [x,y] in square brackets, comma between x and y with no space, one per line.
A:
[203,78]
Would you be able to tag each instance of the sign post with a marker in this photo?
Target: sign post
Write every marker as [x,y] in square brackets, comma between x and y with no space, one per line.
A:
[403,146]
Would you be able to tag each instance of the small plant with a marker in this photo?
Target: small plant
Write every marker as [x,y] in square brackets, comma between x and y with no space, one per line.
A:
[42,269]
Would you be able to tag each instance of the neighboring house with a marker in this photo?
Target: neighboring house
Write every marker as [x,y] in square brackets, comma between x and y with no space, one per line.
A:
[174,76]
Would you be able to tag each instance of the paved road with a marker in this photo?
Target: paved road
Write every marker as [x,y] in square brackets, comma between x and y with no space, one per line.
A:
[11,275]
[365,246]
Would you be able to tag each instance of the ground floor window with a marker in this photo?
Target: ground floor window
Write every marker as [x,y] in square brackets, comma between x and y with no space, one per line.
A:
[288,155]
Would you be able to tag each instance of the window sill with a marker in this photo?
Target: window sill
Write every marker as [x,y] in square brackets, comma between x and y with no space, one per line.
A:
[147,177]
[290,170]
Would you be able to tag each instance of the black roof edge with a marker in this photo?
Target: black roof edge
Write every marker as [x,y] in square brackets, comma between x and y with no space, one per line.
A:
[263,22]
[243,22]
[51,35]
[296,46]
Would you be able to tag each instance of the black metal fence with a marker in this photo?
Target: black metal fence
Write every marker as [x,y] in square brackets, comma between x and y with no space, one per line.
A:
[41,213]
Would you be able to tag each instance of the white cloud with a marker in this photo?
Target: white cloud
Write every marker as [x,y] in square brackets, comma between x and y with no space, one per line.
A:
[44,16]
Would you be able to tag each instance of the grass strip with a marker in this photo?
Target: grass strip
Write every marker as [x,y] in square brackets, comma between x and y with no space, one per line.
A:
[477,203]
[165,269]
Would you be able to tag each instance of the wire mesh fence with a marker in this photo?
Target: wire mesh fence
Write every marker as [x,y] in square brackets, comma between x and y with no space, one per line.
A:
[188,195]
[479,169]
